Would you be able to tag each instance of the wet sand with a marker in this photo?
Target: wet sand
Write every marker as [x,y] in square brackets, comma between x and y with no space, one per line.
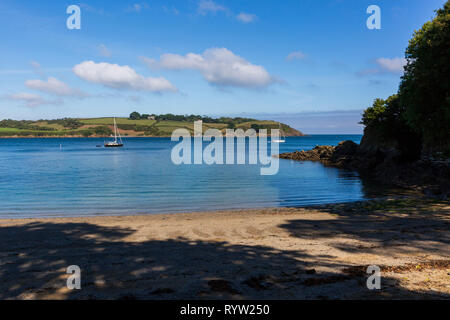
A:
[319,252]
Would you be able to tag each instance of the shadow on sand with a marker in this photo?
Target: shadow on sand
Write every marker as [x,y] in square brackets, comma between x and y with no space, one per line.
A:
[34,258]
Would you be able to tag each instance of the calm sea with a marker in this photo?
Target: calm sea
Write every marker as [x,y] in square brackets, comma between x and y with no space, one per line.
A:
[75,177]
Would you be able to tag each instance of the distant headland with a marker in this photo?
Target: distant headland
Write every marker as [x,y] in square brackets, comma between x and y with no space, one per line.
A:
[136,125]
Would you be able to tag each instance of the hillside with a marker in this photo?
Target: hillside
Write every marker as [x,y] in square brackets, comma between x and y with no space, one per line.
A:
[102,127]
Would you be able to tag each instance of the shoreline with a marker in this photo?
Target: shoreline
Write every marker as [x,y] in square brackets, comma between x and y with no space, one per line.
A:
[407,194]
[97,137]
[430,175]
[315,252]
[70,137]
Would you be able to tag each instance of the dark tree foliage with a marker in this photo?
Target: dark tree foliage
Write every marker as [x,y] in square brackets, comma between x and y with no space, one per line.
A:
[67,123]
[102,130]
[18,124]
[190,118]
[425,86]
[386,118]
[135,116]
[420,112]
[30,125]
[374,115]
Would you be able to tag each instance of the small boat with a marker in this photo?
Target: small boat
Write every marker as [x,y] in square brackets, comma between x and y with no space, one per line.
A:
[282,136]
[115,143]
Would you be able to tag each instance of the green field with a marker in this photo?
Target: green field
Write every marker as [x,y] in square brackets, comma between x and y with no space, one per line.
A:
[102,127]
[6,130]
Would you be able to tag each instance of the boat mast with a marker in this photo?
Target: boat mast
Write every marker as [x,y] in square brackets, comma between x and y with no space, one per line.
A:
[115,129]
[118,133]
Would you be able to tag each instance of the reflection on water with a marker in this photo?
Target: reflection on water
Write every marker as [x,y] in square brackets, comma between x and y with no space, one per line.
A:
[37,178]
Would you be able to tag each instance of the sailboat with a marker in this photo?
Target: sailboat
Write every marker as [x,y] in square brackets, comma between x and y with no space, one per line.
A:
[115,143]
[282,136]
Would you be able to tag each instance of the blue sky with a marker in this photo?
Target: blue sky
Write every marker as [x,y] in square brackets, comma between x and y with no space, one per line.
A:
[312,63]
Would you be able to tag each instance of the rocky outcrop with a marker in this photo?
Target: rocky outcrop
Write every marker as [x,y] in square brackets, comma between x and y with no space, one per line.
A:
[341,155]
[385,165]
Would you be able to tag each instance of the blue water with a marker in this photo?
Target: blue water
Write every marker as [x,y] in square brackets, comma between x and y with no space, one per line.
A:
[38,178]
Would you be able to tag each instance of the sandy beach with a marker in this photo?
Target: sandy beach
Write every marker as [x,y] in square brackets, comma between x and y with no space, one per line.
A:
[317,252]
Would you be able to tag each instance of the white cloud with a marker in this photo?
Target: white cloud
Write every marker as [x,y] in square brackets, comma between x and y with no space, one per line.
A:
[30,99]
[137,7]
[219,66]
[246,17]
[120,77]
[54,86]
[104,51]
[296,55]
[209,6]
[394,65]
[385,66]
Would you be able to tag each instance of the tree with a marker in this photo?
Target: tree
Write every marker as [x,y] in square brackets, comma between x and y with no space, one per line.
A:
[374,114]
[135,115]
[385,121]
[425,85]
[420,112]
